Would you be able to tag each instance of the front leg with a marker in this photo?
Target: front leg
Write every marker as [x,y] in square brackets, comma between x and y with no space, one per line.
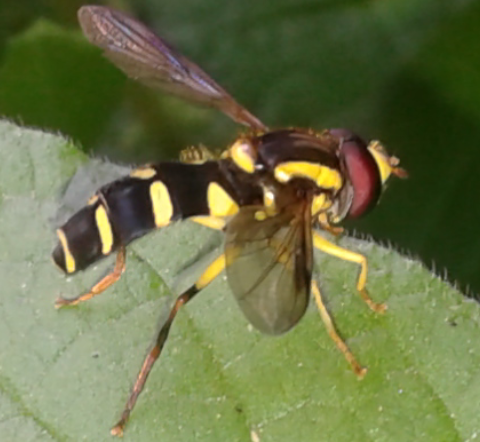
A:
[326,246]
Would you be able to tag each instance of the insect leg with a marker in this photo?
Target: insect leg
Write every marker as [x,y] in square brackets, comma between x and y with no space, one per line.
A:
[325,225]
[206,278]
[339,342]
[213,222]
[332,249]
[101,286]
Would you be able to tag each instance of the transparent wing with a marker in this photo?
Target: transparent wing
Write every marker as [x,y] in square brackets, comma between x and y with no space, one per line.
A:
[145,57]
[269,266]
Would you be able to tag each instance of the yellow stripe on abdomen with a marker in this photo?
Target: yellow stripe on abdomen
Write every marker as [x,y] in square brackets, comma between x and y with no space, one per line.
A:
[161,204]
[70,264]
[220,203]
[104,229]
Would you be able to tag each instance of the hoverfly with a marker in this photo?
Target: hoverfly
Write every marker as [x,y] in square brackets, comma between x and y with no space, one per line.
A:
[268,192]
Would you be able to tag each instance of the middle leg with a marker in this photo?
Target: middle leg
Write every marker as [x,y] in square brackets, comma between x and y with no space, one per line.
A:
[213,270]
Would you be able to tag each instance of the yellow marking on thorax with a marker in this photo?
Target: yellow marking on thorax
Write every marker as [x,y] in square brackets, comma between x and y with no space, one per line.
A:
[104,229]
[70,264]
[269,201]
[161,204]
[244,155]
[268,198]
[143,172]
[322,176]
[320,203]
[220,202]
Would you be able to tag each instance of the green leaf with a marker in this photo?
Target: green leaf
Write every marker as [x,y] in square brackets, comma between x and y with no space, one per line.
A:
[64,375]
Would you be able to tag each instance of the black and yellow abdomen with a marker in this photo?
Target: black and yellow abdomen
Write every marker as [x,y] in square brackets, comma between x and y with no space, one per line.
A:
[149,198]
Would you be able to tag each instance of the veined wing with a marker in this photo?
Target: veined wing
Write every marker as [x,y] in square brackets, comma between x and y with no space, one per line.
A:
[145,57]
[269,266]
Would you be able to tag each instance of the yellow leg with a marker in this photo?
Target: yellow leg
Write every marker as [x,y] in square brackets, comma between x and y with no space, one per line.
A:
[332,249]
[206,278]
[101,286]
[339,342]
[210,221]
[211,272]
[334,230]
[324,224]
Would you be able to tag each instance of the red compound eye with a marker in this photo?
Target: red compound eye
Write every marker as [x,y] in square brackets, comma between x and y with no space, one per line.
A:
[362,170]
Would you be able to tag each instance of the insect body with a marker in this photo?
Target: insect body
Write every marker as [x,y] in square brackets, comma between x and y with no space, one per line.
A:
[267,192]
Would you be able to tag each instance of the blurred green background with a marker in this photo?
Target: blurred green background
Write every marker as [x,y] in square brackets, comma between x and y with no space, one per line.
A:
[404,71]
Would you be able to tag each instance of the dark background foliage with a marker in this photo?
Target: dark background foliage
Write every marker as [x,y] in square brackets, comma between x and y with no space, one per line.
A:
[404,71]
